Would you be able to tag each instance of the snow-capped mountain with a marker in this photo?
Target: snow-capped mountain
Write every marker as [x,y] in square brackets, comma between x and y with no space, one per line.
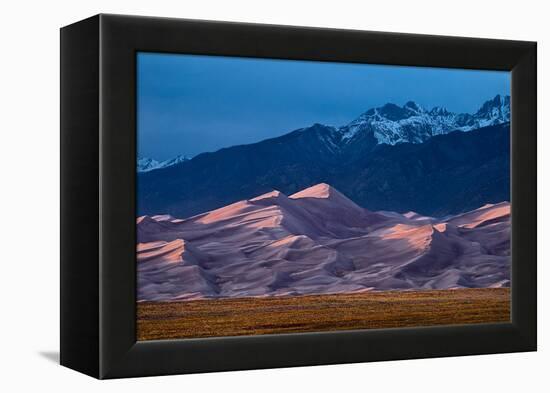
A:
[364,159]
[173,161]
[494,111]
[392,124]
[145,164]
[389,124]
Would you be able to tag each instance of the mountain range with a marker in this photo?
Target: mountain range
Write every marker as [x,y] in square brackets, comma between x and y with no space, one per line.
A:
[146,164]
[436,172]
[392,124]
[318,241]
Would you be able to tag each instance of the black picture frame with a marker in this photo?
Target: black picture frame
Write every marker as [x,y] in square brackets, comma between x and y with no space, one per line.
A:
[98,178]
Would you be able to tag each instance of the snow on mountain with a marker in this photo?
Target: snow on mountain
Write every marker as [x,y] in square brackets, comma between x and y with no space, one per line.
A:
[494,111]
[173,161]
[389,124]
[146,164]
[392,124]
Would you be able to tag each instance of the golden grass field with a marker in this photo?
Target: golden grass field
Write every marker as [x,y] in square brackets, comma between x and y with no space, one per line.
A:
[368,310]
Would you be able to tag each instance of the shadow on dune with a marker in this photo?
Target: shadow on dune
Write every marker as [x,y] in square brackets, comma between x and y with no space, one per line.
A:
[317,241]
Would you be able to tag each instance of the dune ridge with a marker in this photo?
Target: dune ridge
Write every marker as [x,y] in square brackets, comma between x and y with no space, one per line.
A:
[317,241]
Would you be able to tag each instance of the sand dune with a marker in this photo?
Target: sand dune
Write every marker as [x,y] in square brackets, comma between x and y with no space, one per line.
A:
[317,241]
[490,213]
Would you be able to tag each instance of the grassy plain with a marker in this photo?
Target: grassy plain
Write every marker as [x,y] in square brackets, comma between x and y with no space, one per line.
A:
[368,310]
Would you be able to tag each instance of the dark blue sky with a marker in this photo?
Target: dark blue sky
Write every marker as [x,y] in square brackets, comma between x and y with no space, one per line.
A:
[190,104]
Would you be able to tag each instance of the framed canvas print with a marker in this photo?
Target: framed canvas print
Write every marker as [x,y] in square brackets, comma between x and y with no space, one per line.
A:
[239,196]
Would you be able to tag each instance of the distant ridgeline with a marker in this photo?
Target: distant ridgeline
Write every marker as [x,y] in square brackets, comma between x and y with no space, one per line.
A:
[391,158]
